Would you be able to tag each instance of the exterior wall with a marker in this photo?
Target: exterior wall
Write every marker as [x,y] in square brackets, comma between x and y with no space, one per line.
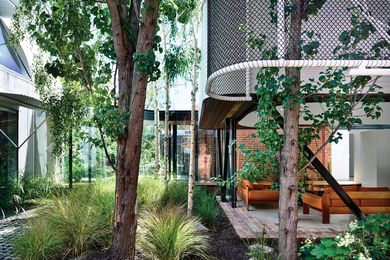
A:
[244,137]
[365,158]
[383,158]
[340,155]
[203,62]
[371,158]
[34,156]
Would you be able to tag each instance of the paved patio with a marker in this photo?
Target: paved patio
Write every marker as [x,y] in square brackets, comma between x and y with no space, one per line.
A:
[9,227]
[249,224]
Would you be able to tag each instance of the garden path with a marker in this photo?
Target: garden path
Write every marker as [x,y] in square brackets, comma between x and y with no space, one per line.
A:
[9,227]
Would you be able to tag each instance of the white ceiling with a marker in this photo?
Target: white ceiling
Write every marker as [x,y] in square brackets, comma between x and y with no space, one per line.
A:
[252,118]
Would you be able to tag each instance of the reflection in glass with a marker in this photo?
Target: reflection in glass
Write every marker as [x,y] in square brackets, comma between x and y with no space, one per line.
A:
[8,152]
[8,56]
[183,150]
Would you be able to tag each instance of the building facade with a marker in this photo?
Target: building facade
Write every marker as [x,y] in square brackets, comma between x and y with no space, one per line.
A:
[24,140]
[232,31]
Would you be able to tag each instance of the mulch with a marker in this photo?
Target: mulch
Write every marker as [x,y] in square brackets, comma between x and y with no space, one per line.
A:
[225,243]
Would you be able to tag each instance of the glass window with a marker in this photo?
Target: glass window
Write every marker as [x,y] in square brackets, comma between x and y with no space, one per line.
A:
[183,150]
[8,57]
[8,152]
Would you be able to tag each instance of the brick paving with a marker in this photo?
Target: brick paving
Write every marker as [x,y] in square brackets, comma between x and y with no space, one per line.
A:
[249,227]
[9,227]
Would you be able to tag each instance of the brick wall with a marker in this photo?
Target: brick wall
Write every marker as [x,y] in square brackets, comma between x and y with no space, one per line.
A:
[244,137]
[206,155]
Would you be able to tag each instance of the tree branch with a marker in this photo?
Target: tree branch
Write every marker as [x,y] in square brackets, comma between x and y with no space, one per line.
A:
[90,89]
[350,111]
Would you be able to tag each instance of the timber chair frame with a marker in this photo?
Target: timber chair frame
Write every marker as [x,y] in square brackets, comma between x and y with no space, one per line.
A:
[369,200]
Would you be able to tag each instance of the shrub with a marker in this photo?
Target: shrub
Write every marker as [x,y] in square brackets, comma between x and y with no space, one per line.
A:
[167,234]
[154,193]
[205,207]
[38,188]
[367,239]
[80,221]
[10,198]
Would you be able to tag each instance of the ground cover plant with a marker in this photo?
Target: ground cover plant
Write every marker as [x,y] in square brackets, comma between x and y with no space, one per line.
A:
[153,192]
[18,195]
[367,239]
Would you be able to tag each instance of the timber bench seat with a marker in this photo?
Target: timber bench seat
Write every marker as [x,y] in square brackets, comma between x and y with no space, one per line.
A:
[369,200]
[255,193]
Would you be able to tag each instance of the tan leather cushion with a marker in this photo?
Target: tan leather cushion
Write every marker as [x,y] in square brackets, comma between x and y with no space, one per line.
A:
[264,195]
[247,183]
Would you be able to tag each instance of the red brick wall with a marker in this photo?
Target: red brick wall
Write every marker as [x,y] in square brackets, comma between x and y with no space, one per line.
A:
[325,155]
[244,137]
[206,156]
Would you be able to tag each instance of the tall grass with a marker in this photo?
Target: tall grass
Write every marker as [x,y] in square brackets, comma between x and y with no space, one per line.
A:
[149,192]
[167,234]
[38,242]
[154,193]
[75,223]
[175,192]
[81,220]
[38,188]
[206,207]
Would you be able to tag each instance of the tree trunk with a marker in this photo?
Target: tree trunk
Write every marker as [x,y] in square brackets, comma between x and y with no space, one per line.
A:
[70,158]
[157,130]
[191,175]
[166,133]
[90,164]
[166,117]
[288,200]
[132,90]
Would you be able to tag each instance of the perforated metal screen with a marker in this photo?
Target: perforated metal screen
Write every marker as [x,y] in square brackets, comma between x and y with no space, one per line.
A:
[236,29]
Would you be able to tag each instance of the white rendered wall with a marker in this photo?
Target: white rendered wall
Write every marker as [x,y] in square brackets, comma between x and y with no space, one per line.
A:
[365,158]
[372,158]
[340,157]
[33,156]
[383,173]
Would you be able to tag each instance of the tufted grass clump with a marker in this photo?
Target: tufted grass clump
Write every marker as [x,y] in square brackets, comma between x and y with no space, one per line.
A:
[149,192]
[206,207]
[38,242]
[175,192]
[70,225]
[168,234]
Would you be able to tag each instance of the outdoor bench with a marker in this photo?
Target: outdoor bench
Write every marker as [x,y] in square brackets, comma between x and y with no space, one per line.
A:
[369,200]
[259,192]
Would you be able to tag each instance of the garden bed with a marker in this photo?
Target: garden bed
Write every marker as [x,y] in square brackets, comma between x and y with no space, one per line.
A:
[225,243]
